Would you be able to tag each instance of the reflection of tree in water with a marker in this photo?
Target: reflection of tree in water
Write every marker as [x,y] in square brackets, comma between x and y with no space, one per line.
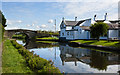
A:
[33,44]
[98,61]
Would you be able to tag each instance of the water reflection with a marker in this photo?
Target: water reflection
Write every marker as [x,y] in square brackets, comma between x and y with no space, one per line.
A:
[33,44]
[95,59]
[76,60]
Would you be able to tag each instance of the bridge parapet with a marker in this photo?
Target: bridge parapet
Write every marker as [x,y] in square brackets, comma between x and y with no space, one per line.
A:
[29,33]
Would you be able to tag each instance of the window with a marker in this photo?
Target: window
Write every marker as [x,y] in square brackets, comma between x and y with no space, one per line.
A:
[62,34]
[67,33]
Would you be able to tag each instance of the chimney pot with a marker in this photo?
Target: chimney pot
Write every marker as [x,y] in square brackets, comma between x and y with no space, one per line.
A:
[105,16]
[63,19]
[75,18]
[94,17]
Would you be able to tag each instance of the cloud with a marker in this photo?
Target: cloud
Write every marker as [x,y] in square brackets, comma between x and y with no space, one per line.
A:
[28,25]
[33,24]
[50,21]
[19,21]
[59,0]
[11,22]
[43,26]
[37,26]
[8,28]
[88,9]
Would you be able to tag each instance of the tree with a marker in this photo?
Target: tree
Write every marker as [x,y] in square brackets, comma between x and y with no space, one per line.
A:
[2,19]
[98,29]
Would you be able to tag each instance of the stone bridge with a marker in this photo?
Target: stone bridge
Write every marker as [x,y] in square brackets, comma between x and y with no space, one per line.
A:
[29,33]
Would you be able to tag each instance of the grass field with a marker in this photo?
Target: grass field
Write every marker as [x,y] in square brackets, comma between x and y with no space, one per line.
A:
[12,61]
[101,42]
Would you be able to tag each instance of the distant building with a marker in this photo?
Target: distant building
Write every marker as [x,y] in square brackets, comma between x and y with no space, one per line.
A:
[73,30]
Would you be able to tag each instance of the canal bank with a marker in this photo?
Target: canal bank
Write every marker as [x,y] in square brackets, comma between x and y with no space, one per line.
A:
[106,48]
[102,45]
[12,61]
[113,46]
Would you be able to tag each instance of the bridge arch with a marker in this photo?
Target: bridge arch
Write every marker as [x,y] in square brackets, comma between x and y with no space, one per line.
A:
[29,33]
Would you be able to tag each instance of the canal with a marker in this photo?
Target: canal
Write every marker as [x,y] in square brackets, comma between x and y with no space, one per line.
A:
[75,59]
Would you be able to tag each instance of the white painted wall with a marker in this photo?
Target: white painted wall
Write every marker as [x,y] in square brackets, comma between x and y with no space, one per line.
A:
[70,35]
[113,33]
[86,23]
[103,38]
[68,28]
[63,32]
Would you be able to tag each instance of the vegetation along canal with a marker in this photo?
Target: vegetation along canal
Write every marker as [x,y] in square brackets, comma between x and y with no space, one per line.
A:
[73,59]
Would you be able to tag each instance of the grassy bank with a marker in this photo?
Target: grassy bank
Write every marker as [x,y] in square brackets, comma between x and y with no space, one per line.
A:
[12,61]
[45,41]
[19,36]
[101,42]
[48,38]
[36,63]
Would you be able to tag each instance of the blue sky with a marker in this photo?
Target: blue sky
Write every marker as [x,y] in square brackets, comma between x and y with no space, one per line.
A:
[41,15]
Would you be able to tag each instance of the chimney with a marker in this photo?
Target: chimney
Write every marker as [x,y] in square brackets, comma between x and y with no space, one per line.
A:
[75,18]
[94,17]
[63,19]
[105,16]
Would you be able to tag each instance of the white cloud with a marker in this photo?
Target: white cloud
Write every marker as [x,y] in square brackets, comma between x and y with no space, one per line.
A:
[19,21]
[12,22]
[8,28]
[89,9]
[43,26]
[59,0]
[37,26]
[33,24]
[50,21]
[28,25]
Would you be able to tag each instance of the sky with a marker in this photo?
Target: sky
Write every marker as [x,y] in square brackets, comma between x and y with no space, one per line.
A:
[40,15]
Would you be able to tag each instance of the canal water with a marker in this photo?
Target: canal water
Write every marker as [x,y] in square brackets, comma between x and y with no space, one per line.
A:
[75,60]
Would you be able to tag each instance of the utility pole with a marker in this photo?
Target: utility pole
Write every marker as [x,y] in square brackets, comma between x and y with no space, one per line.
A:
[55,25]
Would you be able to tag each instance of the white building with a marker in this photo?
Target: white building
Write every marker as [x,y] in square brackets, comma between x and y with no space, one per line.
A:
[71,30]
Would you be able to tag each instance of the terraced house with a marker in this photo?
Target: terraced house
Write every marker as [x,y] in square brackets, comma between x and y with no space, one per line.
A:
[73,30]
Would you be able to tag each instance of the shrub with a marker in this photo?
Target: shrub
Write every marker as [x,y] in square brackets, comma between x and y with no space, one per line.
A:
[35,63]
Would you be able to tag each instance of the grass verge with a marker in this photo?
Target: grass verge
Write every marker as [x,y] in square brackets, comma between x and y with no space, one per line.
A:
[12,61]
[101,42]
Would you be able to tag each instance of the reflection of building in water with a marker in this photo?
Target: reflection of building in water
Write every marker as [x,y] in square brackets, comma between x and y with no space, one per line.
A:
[71,54]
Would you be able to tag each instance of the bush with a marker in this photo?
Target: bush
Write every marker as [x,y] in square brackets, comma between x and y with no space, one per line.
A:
[35,63]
